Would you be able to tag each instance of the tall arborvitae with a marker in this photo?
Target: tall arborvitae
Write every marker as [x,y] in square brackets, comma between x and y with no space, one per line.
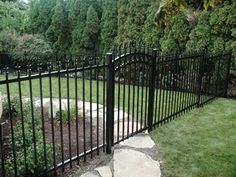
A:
[176,35]
[40,15]
[80,23]
[151,31]
[57,33]
[33,17]
[131,18]
[73,9]
[91,31]
[200,36]
[109,24]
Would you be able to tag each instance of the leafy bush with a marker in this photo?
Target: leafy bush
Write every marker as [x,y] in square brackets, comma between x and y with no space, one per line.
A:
[64,114]
[36,48]
[27,144]
[8,41]
[20,161]
[15,107]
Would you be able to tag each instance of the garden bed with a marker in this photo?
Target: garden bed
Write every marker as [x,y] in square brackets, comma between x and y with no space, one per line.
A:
[67,150]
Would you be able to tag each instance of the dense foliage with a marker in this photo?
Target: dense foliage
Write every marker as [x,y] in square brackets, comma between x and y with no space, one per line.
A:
[88,26]
[24,147]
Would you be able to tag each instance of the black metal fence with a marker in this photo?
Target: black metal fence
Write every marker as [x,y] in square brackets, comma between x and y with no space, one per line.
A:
[56,118]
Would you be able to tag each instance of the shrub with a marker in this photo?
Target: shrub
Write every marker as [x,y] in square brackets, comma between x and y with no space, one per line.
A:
[15,107]
[27,143]
[8,41]
[36,48]
[64,114]
[30,162]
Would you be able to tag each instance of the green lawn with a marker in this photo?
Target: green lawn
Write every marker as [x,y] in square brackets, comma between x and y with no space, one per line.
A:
[14,91]
[55,90]
[201,143]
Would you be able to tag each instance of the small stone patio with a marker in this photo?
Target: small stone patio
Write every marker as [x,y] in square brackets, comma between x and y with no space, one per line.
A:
[135,157]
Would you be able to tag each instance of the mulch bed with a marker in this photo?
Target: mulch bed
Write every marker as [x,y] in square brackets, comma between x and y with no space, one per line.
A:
[66,148]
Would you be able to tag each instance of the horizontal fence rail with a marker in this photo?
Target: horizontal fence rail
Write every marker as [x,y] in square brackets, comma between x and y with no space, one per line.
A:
[58,115]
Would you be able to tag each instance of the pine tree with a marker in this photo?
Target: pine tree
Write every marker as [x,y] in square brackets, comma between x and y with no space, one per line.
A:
[33,16]
[151,31]
[91,30]
[73,8]
[41,12]
[109,24]
[200,36]
[176,35]
[131,18]
[222,21]
[57,33]
[80,23]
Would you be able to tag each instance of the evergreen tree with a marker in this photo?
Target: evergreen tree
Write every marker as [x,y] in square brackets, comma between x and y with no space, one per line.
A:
[57,33]
[11,16]
[109,24]
[80,24]
[214,29]
[176,35]
[73,8]
[91,30]
[151,31]
[200,36]
[41,12]
[222,21]
[131,18]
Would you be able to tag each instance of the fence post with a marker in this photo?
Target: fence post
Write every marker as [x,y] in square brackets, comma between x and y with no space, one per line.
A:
[228,75]
[200,75]
[110,104]
[151,90]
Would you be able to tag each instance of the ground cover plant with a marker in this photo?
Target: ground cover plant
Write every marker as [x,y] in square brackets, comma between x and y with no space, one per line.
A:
[25,164]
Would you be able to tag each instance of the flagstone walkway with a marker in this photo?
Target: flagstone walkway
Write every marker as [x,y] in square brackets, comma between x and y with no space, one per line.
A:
[135,157]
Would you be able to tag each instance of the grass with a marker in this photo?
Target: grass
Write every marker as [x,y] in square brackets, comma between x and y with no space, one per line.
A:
[134,99]
[14,91]
[201,143]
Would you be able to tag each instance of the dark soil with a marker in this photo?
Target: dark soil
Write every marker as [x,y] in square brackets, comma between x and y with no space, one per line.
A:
[83,143]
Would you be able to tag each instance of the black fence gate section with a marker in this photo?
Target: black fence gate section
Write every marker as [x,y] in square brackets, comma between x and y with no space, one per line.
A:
[57,118]
[146,89]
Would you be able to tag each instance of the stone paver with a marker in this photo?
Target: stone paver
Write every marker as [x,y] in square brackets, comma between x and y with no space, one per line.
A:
[139,142]
[104,171]
[119,114]
[126,125]
[132,158]
[91,174]
[132,163]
